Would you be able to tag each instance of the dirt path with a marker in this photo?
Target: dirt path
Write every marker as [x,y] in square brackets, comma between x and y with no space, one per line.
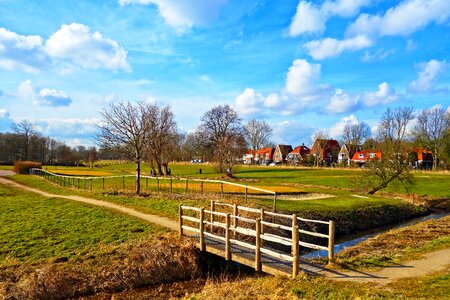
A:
[161,221]
[430,263]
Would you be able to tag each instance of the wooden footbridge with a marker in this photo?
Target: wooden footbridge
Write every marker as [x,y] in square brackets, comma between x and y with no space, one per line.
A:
[267,241]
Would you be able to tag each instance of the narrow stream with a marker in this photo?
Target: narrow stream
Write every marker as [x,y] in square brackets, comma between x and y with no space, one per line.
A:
[354,239]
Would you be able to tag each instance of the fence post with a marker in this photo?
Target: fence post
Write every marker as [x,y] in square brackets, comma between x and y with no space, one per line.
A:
[227,237]
[246,193]
[123,182]
[331,229]
[187,185]
[202,229]
[235,220]
[73,181]
[90,185]
[258,246]
[274,202]
[103,183]
[180,220]
[295,246]
[78,180]
[213,206]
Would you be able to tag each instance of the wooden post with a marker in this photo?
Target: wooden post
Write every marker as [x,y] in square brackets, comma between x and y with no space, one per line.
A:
[187,185]
[331,229]
[202,229]
[235,220]
[123,182]
[103,183]
[213,206]
[258,246]
[227,237]
[275,202]
[90,185]
[180,220]
[295,246]
[262,225]
[78,179]
[246,193]
[73,181]
[171,185]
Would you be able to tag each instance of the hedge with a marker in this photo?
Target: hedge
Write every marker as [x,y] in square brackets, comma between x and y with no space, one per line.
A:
[23,167]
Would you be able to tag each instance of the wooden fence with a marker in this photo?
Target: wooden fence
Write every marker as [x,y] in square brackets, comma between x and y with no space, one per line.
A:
[169,184]
[231,228]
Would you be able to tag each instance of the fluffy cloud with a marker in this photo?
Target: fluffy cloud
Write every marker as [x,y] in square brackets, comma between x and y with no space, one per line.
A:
[78,44]
[337,129]
[342,102]
[384,95]
[427,77]
[310,18]
[329,47]
[183,15]
[20,51]
[403,19]
[292,133]
[3,113]
[43,97]
[249,102]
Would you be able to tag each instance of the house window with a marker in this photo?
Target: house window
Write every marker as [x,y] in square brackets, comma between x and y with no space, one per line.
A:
[360,155]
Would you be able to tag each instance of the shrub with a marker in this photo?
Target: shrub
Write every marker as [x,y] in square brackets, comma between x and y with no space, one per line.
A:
[23,167]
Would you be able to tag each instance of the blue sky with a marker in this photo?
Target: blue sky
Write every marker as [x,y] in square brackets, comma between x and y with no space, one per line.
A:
[302,66]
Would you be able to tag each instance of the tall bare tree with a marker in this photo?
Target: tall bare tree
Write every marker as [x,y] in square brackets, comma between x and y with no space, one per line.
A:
[26,131]
[126,125]
[221,126]
[320,145]
[354,135]
[432,130]
[257,134]
[394,164]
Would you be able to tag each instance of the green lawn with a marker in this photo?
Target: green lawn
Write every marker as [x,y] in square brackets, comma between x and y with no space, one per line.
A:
[34,228]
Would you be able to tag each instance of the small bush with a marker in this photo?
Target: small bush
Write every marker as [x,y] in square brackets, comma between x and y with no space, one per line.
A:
[23,167]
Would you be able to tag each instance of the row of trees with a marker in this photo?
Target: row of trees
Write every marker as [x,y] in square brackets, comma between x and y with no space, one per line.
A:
[24,142]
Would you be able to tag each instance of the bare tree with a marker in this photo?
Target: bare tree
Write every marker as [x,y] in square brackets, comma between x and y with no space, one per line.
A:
[432,130]
[126,125]
[257,134]
[221,126]
[163,138]
[26,131]
[91,156]
[394,164]
[354,135]
[320,145]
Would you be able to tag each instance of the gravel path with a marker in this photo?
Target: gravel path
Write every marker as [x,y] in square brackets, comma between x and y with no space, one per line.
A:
[161,221]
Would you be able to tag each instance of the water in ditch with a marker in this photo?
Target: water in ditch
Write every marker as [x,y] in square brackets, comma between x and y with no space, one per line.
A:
[354,239]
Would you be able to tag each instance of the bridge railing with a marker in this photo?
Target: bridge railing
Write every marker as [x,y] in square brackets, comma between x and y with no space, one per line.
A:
[251,232]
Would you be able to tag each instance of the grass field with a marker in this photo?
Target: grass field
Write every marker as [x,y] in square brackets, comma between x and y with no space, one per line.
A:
[37,228]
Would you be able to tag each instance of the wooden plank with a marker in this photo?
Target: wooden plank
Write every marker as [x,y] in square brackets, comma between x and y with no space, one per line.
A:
[276,239]
[191,208]
[312,246]
[245,231]
[243,244]
[276,255]
[255,210]
[214,236]
[313,233]
[189,228]
[269,213]
[313,221]
[277,226]
[192,219]
[244,219]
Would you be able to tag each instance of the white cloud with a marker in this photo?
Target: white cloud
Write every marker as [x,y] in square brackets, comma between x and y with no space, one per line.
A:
[427,76]
[292,133]
[43,97]
[249,102]
[311,18]
[380,54]
[384,95]
[337,129]
[20,51]
[3,113]
[342,102]
[403,19]
[79,45]
[329,47]
[185,14]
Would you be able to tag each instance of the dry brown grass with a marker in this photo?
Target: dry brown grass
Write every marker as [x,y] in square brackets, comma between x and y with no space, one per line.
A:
[131,266]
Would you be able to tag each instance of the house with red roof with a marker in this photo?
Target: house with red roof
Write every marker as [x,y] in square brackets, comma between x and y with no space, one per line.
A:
[422,158]
[264,156]
[296,156]
[281,151]
[326,150]
[363,156]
